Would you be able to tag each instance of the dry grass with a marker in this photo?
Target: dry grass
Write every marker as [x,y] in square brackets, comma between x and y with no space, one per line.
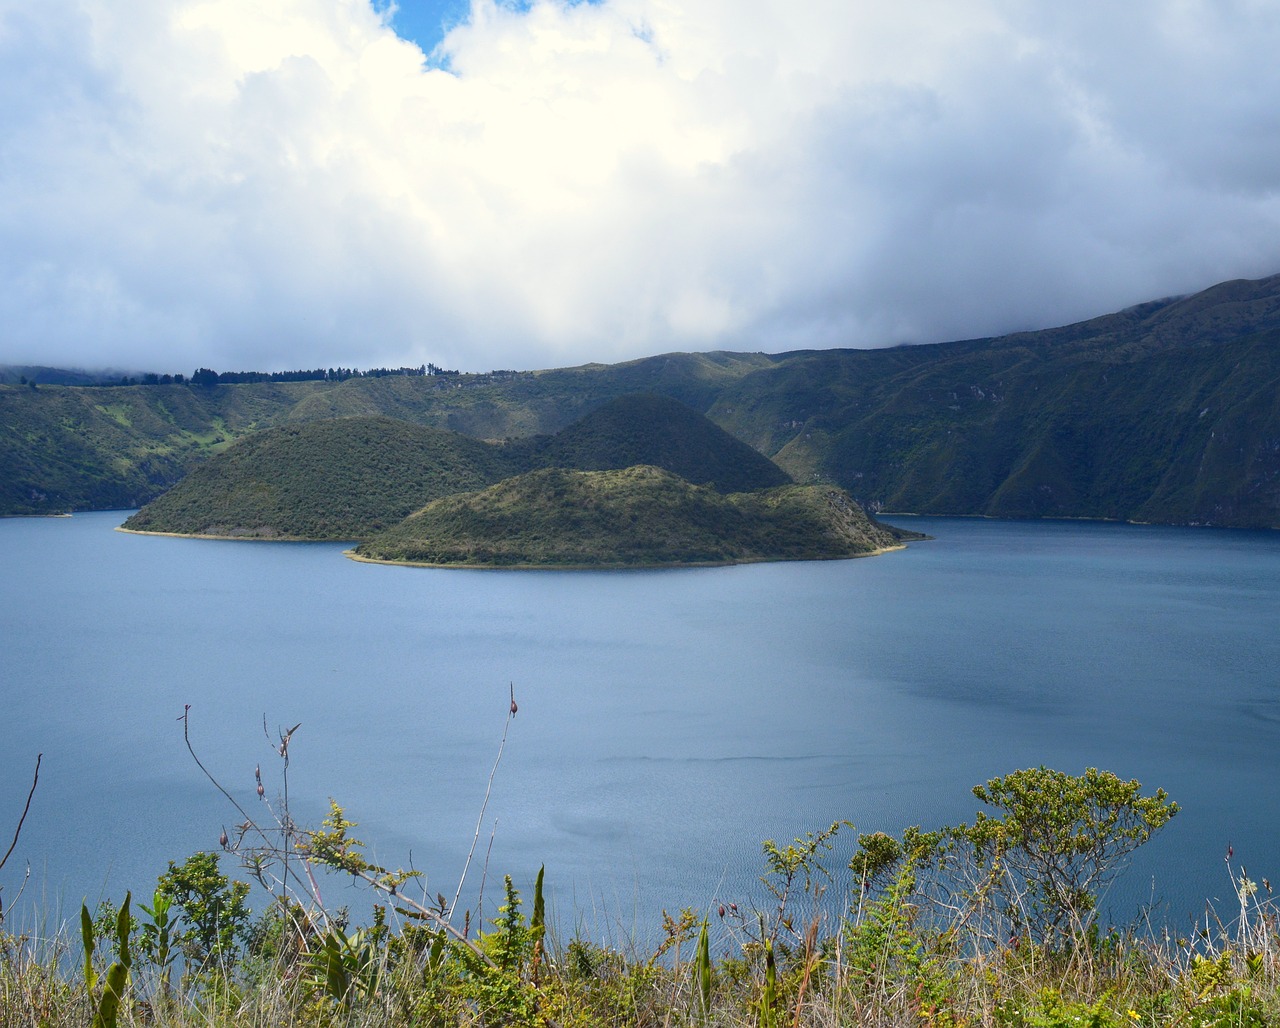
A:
[891,967]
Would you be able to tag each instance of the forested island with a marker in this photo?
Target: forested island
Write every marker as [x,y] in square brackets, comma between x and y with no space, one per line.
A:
[639,516]
[642,481]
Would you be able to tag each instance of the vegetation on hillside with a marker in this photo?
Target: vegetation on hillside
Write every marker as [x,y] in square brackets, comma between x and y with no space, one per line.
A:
[1031,427]
[639,516]
[351,477]
[344,478]
[1166,412]
[66,448]
[645,428]
[992,923]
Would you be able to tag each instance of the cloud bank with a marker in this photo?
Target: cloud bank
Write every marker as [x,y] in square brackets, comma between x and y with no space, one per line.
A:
[250,185]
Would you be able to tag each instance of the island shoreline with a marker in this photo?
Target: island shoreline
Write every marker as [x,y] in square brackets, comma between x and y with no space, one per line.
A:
[656,566]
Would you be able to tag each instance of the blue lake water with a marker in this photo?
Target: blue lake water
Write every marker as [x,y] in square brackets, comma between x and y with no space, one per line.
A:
[669,720]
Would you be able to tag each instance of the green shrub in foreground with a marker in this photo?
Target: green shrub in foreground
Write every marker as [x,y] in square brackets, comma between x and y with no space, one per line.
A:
[991,923]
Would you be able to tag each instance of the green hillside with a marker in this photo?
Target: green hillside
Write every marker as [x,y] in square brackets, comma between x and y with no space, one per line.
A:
[349,477]
[645,428]
[1032,427]
[339,479]
[634,517]
[66,448]
[1166,412]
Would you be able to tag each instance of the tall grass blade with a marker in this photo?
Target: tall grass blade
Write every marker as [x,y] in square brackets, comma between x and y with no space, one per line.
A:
[702,968]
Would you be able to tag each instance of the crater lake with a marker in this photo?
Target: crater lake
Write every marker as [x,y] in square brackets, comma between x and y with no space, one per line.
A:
[669,721]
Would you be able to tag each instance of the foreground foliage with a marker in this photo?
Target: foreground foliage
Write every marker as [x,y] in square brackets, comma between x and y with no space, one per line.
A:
[991,923]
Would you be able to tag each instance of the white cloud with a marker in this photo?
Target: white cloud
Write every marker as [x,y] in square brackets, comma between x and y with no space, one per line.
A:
[264,185]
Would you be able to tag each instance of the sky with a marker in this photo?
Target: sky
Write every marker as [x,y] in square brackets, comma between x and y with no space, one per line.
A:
[278,184]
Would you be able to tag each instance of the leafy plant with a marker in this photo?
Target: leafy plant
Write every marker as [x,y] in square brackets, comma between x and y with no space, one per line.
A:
[344,966]
[107,1008]
[905,953]
[497,987]
[876,857]
[881,944]
[702,969]
[157,936]
[799,863]
[213,908]
[1050,1010]
[1059,839]
[769,995]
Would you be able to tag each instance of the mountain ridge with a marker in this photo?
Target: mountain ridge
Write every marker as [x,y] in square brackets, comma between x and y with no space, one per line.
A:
[1167,411]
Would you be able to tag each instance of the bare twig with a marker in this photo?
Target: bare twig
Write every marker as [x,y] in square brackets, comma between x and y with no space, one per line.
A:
[249,823]
[286,822]
[18,831]
[185,718]
[484,876]
[511,712]
[21,889]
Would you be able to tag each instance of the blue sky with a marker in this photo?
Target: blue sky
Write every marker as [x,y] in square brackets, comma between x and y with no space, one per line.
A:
[266,184]
[424,21]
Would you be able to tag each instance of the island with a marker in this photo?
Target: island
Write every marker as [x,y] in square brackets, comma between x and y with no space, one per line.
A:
[639,516]
[641,481]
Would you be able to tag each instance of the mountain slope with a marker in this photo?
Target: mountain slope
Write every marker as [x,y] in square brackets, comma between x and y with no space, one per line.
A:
[1178,433]
[645,428]
[69,448]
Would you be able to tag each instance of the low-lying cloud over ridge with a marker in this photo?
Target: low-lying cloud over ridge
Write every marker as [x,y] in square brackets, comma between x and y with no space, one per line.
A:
[268,185]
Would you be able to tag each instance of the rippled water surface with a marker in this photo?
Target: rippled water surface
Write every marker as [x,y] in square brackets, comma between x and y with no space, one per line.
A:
[669,720]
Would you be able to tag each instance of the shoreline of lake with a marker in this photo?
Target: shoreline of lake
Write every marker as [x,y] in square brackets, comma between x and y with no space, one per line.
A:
[656,566]
[228,538]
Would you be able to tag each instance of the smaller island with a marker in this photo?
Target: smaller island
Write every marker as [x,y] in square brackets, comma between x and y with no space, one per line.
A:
[634,517]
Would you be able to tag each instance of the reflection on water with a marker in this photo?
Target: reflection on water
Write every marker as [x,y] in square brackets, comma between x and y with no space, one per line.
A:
[669,721]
